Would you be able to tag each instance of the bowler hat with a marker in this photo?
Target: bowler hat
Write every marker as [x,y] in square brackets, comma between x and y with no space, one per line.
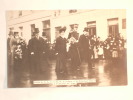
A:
[62,29]
[86,29]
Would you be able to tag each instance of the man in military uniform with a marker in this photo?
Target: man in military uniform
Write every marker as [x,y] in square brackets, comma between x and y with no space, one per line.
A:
[36,52]
[74,50]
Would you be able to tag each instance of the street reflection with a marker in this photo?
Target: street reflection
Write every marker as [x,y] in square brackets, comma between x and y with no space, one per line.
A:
[106,73]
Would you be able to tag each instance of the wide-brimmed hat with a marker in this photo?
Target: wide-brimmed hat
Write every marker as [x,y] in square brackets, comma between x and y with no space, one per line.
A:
[62,29]
[86,29]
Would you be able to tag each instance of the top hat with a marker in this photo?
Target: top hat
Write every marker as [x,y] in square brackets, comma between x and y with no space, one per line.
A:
[36,31]
[86,29]
[62,29]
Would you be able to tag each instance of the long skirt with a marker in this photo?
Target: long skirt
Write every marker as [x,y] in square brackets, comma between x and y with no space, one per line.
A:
[75,57]
[61,64]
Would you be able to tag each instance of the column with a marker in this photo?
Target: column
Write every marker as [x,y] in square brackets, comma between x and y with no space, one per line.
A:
[102,28]
[38,24]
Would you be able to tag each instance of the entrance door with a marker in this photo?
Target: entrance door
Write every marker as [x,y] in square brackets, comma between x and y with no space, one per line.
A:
[92,27]
[46,29]
[92,31]
[113,30]
[113,27]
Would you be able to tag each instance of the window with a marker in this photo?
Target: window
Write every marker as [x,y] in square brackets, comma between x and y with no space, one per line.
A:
[57,13]
[46,24]
[113,28]
[92,27]
[123,23]
[32,29]
[72,11]
[46,29]
[57,31]
[21,31]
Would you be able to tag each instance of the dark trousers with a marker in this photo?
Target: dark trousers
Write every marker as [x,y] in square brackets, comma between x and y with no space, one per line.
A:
[86,58]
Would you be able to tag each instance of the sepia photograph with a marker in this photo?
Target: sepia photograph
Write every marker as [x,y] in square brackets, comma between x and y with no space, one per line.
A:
[66,48]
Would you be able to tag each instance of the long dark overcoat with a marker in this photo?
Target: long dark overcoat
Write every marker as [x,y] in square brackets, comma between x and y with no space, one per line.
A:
[36,50]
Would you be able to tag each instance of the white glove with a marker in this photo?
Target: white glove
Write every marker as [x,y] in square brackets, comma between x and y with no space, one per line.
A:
[56,54]
[32,53]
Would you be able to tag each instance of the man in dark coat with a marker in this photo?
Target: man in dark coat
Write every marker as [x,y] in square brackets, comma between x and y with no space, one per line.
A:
[73,38]
[36,52]
[85,48]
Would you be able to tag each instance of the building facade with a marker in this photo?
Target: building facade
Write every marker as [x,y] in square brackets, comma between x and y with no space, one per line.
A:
[101,22]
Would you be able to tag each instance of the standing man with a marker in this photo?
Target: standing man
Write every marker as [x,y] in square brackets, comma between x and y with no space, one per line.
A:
[36,51]
[85,47]
[73,38]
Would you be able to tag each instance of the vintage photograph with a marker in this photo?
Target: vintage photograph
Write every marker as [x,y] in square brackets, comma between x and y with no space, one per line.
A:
[66,48]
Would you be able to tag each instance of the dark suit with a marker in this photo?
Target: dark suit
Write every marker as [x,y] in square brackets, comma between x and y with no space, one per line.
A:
[74,51]
[36,52]
[85,50]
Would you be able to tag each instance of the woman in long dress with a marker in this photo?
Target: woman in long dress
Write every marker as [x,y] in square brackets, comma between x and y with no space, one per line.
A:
[61,52]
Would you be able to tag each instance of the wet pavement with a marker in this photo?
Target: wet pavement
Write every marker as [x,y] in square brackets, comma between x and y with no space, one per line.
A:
[111,72]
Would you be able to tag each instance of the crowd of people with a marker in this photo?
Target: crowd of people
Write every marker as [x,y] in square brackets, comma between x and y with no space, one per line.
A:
[76,48]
